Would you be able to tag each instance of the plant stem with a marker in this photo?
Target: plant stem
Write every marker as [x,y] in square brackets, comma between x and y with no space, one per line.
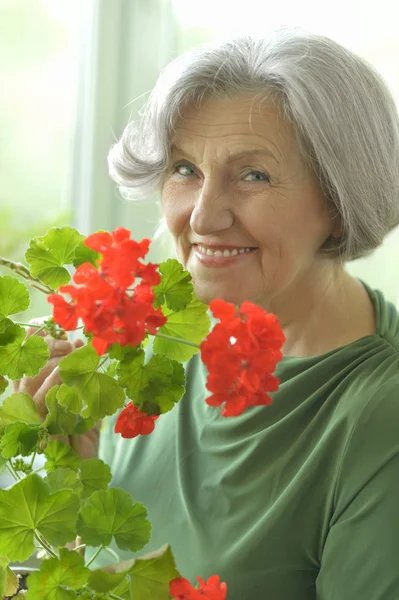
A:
[45,546]
[114,597]
[114,554]
[33,459]
[38,470]
[97,552]
[79,547]
[40,329]
[175,339]
[12,472]
[24,272]
[102,362]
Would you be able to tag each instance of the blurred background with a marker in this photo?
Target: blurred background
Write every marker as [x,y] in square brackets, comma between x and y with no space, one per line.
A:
[74,72]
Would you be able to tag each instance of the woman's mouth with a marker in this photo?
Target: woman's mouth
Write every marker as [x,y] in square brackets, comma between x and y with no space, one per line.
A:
[221,256]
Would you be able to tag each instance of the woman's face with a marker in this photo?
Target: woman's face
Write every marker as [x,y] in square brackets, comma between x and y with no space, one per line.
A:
[246,215]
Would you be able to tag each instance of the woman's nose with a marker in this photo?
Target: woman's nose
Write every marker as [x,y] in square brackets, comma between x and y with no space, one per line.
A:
[212,211]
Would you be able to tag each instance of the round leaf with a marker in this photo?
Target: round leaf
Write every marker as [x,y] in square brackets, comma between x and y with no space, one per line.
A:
[61,479]
[57,578]
[99,394]
[59,421]
[151,574]
[19,439]
[27,506]
[47,255]
[60,456]
[19,407]
[111,513]
[14,296]
[94,475]
[175,289]
[23,356]
[191,324]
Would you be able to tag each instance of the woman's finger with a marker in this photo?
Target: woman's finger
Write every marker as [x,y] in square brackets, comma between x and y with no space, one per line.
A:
[40,397]
[79,343]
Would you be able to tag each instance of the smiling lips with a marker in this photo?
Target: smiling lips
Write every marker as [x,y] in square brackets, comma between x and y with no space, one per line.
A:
[218,256]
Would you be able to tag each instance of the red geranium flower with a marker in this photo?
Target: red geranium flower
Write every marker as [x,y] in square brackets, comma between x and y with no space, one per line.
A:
[109,311]
[120,254]
[131,422]
[63,313]
[241,353]
[181,589]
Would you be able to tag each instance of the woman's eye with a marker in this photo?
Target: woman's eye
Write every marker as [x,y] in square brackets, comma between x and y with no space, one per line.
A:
[259,176]
[181,169]
[185,170]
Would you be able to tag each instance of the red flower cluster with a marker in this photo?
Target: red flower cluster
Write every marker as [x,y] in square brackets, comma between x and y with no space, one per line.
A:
[241,353]
[131,422]
[101,299]
[181,589]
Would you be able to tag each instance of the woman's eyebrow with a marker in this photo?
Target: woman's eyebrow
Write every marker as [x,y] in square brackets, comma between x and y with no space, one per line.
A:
[233,157]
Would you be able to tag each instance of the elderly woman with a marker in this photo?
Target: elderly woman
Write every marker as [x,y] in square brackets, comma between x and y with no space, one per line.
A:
[277,161]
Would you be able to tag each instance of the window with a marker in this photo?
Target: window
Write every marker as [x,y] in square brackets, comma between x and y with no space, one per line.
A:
[40,47]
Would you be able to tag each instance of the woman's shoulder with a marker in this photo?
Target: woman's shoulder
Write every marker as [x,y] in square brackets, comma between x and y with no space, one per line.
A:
[387,317]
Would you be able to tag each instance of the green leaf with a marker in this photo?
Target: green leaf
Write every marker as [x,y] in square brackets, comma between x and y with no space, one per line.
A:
[47,255]
[122,590]
[18,407]
[8,579]
[112,368]
[83,425]
[8,331]
[19,439]
[119,352]
[156,386]
[151,574]
[100,394]
[94,475]
[111,513]
[14,296]
[59,421]
[3,384]
[101,580]
[61,456]
[191,324]
[69,397]
[85,254]
[61,479]
[175,289]
[57,578]
[23,357]
[3,463]
[27,506]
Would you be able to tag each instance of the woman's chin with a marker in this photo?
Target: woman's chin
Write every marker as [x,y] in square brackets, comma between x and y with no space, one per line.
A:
[206,295]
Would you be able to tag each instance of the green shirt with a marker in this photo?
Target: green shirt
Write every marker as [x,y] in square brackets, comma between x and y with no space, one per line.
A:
[294,501]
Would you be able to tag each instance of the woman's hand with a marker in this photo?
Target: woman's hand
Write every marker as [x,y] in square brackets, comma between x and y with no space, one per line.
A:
[86,444]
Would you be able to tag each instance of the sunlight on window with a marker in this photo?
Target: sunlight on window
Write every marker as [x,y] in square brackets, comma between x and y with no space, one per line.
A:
[40,55]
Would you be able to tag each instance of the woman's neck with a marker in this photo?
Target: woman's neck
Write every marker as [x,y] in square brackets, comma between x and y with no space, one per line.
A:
[324,314]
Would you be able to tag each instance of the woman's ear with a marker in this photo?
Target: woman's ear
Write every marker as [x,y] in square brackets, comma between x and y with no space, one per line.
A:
[337,229]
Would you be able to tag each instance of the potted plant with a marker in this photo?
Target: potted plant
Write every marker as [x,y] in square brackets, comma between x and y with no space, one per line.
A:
[117,302]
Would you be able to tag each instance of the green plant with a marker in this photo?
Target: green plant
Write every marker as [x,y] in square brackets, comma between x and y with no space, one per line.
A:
[72,498]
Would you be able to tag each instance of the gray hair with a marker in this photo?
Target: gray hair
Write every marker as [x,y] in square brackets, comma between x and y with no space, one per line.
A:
[343,114]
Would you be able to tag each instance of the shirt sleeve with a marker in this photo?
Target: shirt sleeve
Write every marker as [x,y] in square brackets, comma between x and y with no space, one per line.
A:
[360,559]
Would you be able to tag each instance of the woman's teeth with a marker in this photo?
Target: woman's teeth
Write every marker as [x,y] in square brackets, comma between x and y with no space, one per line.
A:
[233,252]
